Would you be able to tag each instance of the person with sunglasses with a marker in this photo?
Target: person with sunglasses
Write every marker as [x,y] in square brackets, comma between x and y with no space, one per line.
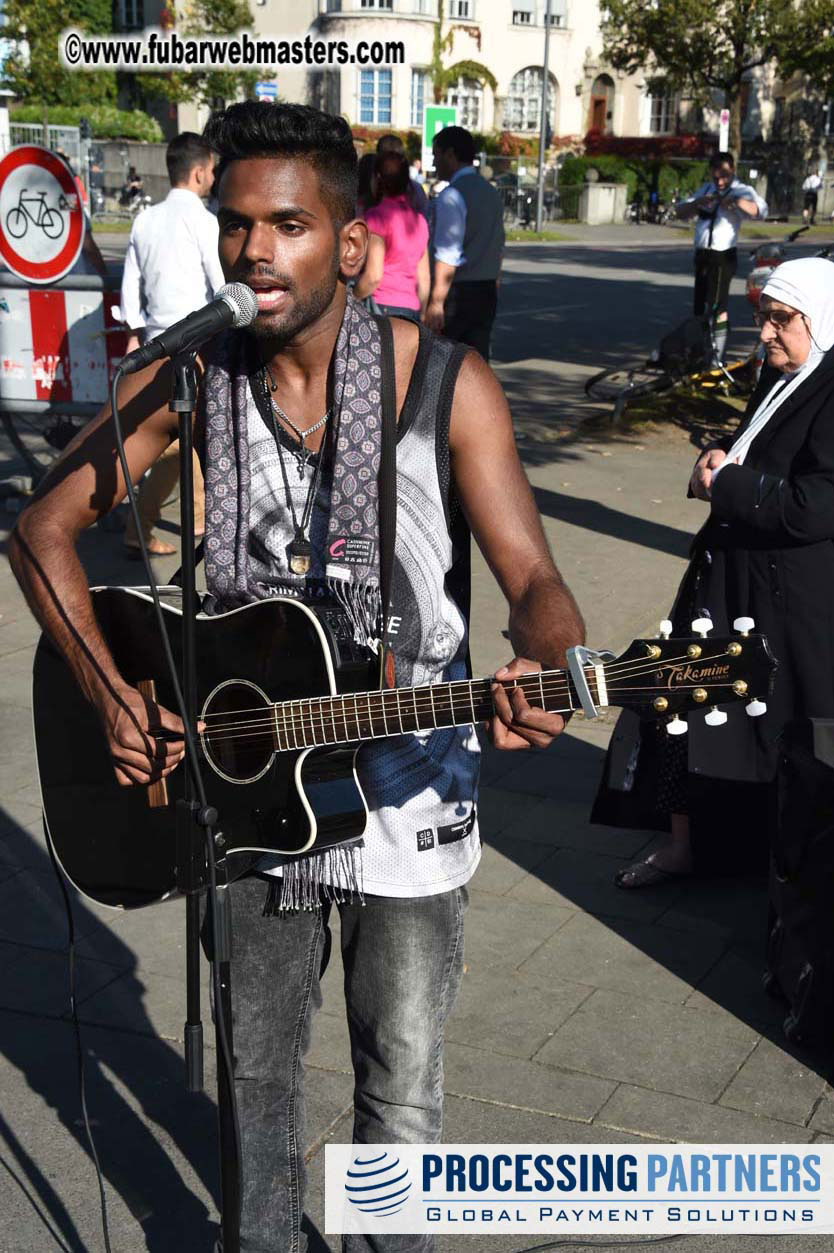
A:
[765,552]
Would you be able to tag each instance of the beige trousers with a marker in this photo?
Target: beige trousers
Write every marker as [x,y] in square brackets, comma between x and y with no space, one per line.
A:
[157,486]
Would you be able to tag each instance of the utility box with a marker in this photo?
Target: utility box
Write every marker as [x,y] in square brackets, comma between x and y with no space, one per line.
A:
[602,203]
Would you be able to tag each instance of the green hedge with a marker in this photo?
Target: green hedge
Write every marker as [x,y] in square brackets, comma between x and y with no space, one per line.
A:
[683,176]
[106,120]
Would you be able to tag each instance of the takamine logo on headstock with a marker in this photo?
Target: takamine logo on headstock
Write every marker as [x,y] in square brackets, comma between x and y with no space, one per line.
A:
[696,674]
[692,675]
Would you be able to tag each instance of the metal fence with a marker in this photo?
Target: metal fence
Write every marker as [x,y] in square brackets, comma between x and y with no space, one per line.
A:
[517,180]
[68,138]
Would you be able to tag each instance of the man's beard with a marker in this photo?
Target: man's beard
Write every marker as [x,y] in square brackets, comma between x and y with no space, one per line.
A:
[304,311]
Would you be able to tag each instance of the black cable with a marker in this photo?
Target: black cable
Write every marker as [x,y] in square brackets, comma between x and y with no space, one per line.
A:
[194,761]
[79,1048]
[602,1244]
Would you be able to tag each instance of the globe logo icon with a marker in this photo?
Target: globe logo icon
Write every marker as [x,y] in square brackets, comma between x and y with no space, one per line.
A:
[378,1183]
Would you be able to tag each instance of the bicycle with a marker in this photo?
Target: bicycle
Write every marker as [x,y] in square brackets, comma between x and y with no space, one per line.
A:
[50,220]
[685,357]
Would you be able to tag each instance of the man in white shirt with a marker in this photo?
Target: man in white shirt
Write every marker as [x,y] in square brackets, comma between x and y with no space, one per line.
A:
[721,205]
[810,189]
[171,269]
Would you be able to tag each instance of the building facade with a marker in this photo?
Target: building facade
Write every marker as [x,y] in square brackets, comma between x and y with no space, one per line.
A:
[506,36]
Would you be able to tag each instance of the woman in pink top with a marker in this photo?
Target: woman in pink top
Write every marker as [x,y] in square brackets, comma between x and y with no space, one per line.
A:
[396,270]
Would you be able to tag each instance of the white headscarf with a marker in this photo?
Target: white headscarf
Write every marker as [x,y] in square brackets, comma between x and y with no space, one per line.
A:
[808,286]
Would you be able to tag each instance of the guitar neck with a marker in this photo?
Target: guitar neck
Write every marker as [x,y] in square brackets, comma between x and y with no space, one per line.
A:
[356,716]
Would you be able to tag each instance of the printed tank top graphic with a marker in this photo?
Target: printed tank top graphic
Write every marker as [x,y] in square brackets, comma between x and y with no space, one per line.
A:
[422,834]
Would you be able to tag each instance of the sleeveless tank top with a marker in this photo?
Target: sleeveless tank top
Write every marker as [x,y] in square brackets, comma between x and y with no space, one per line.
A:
[421,789]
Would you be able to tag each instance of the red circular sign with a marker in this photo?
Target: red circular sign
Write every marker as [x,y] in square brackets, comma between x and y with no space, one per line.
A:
[41,218]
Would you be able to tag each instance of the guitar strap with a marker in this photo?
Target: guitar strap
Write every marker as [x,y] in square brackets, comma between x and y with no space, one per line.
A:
[387,490]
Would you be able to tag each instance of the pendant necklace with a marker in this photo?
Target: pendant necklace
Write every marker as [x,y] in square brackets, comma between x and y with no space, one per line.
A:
[302,453]
[299,550]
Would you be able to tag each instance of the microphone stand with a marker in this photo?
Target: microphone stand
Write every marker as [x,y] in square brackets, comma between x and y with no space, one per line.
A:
[196,845]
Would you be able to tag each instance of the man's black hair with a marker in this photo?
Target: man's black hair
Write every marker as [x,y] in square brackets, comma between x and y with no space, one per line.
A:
[722,158]
[459,140]
[256,128]
[182,154]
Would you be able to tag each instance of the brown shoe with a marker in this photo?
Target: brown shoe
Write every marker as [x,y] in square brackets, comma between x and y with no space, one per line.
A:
[155,546]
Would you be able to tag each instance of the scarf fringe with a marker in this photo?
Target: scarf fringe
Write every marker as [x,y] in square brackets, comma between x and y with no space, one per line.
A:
[334,875]
[362,602]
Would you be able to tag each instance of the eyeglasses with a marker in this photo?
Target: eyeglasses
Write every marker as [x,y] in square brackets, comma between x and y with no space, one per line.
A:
[778,317]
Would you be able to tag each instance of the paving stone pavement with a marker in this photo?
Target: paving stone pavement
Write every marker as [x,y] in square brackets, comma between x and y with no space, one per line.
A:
[586,1014]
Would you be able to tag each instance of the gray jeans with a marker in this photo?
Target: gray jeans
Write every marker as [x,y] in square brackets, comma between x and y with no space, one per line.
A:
[402,961]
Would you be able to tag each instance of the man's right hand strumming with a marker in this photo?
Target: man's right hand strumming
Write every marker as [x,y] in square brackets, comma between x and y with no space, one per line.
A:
[145,739]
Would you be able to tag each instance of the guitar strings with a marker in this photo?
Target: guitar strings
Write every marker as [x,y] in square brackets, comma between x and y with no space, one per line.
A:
[550,686]
[548,677]
[548,680]
[307,725]
[304,716]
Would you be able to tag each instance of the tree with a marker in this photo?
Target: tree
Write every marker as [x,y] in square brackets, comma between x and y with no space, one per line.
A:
[704,46]
[32,68]
[204,18]
[445,76]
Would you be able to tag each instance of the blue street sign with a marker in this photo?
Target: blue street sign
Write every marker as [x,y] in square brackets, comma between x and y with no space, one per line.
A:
[266,91]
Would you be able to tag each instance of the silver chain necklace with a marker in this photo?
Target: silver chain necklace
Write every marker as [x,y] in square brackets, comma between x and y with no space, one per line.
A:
[302,454]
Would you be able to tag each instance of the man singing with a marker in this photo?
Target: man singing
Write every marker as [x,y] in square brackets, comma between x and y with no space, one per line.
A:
[290,412]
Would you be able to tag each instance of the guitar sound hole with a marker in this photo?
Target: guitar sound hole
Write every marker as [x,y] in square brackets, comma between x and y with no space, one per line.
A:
[238,736]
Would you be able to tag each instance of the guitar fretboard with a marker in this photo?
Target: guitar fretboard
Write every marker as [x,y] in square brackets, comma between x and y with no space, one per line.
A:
[355,716]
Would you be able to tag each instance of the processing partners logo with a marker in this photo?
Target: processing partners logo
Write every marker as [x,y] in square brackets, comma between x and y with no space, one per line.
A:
[602,1189]
[378,1183]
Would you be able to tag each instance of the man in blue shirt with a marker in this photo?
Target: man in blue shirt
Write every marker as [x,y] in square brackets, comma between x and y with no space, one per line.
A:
[467,247]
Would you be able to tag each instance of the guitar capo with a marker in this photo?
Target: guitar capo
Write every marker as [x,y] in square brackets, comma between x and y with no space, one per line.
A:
[578,658]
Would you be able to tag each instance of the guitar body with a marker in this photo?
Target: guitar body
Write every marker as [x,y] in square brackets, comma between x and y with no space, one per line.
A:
[286,697]
[121,850]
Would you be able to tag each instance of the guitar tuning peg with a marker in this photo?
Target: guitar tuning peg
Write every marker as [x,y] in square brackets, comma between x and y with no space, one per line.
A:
[701,626]
[665,629]
[743,625]
[676,726]
[715,717]
[755,708]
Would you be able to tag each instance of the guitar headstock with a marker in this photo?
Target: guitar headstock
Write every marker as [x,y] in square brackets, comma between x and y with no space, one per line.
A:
[662,678]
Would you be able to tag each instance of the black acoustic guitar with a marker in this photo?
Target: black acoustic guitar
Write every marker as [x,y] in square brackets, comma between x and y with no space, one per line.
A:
[287,699]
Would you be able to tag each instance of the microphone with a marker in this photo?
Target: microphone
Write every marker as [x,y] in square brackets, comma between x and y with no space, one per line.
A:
[234,305]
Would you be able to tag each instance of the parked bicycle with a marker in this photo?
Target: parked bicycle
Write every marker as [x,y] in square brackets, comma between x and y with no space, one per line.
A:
[50,219]
[684,356]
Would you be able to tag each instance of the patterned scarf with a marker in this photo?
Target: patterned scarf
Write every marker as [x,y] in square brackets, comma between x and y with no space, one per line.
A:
[352,557]
[352,548]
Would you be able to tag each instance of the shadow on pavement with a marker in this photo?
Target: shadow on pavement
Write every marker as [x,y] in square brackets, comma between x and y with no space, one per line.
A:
[591,515]
[144,1122]
[599,309]
[699,943]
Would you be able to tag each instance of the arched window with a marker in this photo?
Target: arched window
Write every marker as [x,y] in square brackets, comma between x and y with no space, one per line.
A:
[523,106]
[601,115]
[466,96]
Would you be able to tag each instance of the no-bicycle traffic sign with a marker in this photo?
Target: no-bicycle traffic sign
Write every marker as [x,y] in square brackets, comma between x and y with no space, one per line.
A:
[41,217]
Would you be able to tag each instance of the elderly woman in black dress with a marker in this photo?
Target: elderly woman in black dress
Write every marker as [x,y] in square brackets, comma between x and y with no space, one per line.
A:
[766,552]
